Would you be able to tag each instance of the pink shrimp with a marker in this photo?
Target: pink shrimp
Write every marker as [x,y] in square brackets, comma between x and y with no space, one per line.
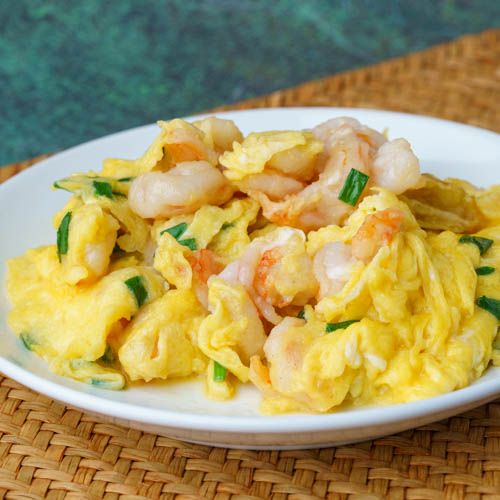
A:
[204,264]
[377,230]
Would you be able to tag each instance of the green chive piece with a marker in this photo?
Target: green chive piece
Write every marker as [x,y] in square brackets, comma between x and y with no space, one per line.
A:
[176,231]
[28,340]
[490,305]
[353,187]
[302,314]
[190,243]
[126,179]
[62,235]
[220,372]
[226,225]
[136,286]
[103,188]
[58,186]
[484,270]
[331,327]
[99,382]
[108,357]
[482,243]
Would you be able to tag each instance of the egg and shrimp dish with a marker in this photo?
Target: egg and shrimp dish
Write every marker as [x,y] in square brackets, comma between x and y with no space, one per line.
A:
[319,265]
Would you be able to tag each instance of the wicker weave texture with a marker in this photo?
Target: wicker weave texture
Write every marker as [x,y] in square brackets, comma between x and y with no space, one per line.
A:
[48,450]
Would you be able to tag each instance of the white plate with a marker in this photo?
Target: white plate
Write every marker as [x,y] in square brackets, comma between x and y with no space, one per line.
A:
[179,409]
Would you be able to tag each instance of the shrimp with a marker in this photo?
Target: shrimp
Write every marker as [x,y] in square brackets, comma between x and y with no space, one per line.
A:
[332,267]
[348,145]
[92,236]
[263,280]
[337,128]
[317,204]
[204,264]
[396,167]
[220,134]
[284,351]
[334,263]
[298,163]
[185,142]
[377,230]
[273,184]
[182,190]
[276,271]
[178,141]
[97,254]
[291,153]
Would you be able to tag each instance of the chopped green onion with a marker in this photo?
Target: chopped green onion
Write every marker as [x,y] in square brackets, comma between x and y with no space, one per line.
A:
[126,179]
[108,357]
[28,340]
[490,305]
[58,186]
[331,327]
[111,381]
[482,243]
[62,235]
[177,231]
[353,187]
[190,243]
[98,382]
[302,314]
[220,372]
[103,188]
[227,225]
[484,270]
[136,286]
[91,186]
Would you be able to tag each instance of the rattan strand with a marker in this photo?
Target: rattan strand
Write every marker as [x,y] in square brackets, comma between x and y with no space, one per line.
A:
[48,450]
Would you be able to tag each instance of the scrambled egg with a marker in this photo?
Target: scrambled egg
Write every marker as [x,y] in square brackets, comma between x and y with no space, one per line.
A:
[160,341]
[70,325]
[417,331]
[401,302]
[271,149]
[233,332]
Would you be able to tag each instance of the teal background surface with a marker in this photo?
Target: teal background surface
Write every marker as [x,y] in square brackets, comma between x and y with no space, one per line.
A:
[71,71]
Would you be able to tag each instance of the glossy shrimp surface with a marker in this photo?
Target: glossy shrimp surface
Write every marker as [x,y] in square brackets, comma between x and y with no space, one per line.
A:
[220,134]
[347,145]
[185,142]
[377,230]
[276,272]
[396,167]
[182,190]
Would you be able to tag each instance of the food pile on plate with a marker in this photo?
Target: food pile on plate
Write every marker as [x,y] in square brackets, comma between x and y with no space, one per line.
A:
[319,265]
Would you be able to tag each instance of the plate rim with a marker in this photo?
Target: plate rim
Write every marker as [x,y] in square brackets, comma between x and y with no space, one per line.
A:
[262,424]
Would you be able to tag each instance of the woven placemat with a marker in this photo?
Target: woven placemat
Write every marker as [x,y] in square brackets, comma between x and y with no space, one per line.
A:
[49,450]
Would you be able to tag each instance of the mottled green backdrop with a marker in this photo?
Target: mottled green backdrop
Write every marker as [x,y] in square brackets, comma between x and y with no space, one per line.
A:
[74,70]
